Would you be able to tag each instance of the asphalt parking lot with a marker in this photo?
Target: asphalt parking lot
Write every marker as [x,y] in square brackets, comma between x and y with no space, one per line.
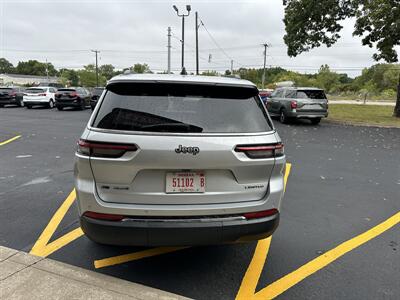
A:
[343,181]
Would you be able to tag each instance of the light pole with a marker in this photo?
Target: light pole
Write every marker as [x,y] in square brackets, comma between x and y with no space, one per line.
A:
[188,8]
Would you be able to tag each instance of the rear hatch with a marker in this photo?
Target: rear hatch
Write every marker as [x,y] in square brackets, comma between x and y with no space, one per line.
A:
[311,100]
[146,137]
[66,95]
[35,94]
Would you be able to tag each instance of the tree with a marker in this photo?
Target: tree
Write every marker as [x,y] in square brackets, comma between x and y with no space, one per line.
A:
[34,67]
[6,66]
[107,71]
[141,68]
[69,77]
[310,23]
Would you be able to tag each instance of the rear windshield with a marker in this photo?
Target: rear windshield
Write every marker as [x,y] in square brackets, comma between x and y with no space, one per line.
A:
[182,108]
[66,90]
[311,94]
[5,89]
[35,91]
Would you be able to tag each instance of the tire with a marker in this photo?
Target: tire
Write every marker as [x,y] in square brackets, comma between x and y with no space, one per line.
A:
[83,106]
[50,104]
[282,117]
[60,108]
[21,103]
[1,105]
[28,106]
[315,121]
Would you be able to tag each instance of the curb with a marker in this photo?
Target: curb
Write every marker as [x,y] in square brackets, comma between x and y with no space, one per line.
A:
[25,276]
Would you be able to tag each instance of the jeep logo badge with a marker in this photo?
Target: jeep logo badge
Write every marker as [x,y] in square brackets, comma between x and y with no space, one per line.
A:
[191,150]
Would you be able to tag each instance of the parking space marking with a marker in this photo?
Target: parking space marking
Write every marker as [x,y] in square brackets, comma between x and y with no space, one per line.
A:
[42,247]
[253,273]
[281,285]
[10,140]
[250,280]
[120,259]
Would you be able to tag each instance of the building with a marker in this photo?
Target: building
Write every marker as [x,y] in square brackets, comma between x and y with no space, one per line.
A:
[19,79]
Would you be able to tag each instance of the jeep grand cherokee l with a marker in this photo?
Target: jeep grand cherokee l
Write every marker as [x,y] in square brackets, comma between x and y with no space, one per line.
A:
[179,160]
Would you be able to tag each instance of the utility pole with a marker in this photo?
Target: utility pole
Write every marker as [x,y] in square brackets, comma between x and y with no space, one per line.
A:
[169,51]
[231,66]
[197,43]
[97,69]
[188,8]
[265,61]
[47,72]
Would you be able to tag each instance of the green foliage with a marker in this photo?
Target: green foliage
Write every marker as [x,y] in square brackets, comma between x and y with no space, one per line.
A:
[210,73]
[107,71]
[141,68]
[34,67]
[69,77]
[87,76]
[6,66]
[310,23]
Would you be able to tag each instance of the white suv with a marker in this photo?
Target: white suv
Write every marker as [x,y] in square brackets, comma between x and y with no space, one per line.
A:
[179,160]
[43,96]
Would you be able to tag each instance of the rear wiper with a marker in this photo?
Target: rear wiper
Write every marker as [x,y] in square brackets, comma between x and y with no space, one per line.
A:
[172,127]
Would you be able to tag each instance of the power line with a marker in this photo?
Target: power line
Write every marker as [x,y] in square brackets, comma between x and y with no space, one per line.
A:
[215,42]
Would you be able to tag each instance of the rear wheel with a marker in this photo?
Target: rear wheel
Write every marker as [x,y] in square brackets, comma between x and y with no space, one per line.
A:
[21,103]
[50,104]
[282,117]
[83,106]
[315,121]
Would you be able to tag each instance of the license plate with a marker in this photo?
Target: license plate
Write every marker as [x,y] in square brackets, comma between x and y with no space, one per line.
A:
[185,182]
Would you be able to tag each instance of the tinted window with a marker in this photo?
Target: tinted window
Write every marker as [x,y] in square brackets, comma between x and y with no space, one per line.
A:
[66,90]
[97,91]
[35,91]
[5,90]
[181,109]
[311,94]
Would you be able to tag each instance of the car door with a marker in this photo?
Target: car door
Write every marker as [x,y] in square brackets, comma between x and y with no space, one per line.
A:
[277,102]
[52,93]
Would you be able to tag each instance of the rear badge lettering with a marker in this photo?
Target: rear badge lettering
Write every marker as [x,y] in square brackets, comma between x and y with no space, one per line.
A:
[191,150]
[249,187]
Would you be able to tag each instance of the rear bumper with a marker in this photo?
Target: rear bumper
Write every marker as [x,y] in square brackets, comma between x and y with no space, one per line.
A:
[69,103]
[8,101]
[36,102]
[178,232]
[307,114]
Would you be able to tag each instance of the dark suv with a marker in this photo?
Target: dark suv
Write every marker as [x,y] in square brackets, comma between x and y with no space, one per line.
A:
[298,103]
[76,97]
[96,93]
[11,95]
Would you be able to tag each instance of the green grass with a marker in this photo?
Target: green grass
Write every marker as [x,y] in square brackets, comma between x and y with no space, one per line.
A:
[363,114]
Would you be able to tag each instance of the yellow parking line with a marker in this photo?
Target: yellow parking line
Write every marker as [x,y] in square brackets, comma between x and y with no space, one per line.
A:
[61,242]
[120,259]
[281,285]
[39,248]
[9,140]
[250,279]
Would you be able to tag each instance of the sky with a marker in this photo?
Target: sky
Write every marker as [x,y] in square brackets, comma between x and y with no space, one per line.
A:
[132,31]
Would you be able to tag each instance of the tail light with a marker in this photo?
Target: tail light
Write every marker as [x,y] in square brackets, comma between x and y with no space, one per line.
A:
[261,151]
[13,94]
[42,94]
[261,214]
[73,94]
[109,150]
[293,104]
[101,216]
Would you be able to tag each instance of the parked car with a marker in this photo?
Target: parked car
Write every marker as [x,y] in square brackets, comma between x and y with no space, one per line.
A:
[179,160]
[42,96]
[76,97]
[96,93]
[11,95]
[298,103]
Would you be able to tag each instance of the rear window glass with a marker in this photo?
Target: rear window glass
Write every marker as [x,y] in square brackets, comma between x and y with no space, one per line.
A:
[182,108]
[66,90]
[35,91]
[311,94]
[5,89]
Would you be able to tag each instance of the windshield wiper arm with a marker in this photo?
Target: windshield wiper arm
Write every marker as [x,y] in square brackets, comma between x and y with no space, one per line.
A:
[172,127]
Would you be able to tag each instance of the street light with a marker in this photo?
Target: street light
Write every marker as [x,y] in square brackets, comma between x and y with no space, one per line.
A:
[188,8]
